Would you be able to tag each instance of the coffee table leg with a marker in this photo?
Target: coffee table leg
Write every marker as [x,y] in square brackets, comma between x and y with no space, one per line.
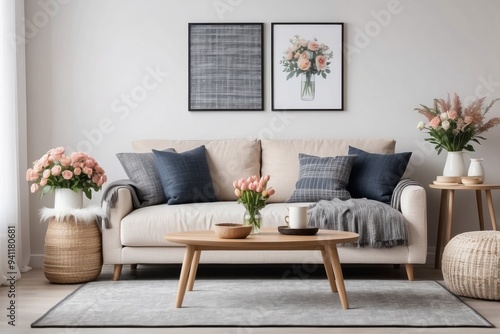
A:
[339,278]
[183,280]
[194,269]
[328,268]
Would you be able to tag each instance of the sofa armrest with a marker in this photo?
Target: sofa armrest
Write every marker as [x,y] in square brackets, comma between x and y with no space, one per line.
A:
[414,209]
[111,241]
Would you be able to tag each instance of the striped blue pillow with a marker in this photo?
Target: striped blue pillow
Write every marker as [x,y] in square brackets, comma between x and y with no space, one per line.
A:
[322,178]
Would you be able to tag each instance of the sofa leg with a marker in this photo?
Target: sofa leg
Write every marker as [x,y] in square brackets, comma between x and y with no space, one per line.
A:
[117,272]
[409,271]
[133,266]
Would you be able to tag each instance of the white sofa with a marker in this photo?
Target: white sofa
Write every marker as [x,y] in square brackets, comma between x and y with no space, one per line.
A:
[136,235]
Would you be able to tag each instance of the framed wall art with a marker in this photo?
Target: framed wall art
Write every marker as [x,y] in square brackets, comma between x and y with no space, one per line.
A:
[226,67]
[307,66]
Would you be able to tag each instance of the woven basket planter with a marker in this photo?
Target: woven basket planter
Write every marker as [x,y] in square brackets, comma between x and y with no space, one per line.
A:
[72,251]
[471,265]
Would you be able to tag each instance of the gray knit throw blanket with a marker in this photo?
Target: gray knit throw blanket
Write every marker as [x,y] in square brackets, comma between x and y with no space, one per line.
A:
[110,196]
[379,225]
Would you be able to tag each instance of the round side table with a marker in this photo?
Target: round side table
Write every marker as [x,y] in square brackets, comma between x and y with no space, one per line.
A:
[446,211]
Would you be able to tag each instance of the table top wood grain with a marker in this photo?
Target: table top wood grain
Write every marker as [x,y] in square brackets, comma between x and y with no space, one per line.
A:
[267,239]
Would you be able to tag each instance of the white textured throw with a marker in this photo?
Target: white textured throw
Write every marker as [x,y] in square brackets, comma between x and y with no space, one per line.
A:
[85,215]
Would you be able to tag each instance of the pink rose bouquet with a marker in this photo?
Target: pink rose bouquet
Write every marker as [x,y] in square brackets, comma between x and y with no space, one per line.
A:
[306,56]
[253,194]
[55,169]
[452,127]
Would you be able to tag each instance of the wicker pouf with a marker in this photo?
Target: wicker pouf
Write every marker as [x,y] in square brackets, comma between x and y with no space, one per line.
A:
[72,251]
[471,265]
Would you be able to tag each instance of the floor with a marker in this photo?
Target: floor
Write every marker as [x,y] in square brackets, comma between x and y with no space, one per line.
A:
[35,296]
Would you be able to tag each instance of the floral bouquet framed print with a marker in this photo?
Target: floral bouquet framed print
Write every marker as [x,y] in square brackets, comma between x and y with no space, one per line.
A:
[307,71]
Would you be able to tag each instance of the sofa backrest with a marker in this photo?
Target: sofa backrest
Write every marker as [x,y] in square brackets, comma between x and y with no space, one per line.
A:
[232,159]
[228,159]
[280,158]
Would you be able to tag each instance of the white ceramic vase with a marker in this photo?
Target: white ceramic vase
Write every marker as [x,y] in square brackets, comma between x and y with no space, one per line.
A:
[476,168]
[68,199]
[455,165]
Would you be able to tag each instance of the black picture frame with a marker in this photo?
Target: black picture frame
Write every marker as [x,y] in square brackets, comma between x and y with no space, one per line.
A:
[226,66]
[300,80]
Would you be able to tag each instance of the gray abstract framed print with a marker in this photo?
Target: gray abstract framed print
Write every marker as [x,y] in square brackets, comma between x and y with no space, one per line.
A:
[226,66]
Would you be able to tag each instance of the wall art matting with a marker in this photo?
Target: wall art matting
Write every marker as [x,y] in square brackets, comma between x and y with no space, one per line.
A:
[307,66]
[226,66]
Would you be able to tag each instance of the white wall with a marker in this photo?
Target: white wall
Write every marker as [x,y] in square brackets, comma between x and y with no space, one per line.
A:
[84,57]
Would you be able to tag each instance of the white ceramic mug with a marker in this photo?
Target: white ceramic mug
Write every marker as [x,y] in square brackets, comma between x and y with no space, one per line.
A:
[297,217]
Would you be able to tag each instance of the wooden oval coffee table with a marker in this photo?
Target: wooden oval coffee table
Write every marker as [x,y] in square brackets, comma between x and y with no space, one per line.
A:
[268,239]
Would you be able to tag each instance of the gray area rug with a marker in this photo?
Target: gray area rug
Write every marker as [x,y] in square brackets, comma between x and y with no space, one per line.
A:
[262,303]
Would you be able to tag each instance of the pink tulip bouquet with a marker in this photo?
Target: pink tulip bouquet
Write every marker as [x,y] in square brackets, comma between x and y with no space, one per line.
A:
[57,170]
[253,194]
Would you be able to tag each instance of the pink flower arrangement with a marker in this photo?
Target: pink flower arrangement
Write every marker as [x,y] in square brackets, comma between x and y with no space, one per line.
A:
[57,170]
[253,194]
[306,56]
[452,127]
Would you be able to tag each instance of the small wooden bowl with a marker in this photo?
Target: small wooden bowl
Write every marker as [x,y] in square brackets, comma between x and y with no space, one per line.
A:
[471,180]
[232,230]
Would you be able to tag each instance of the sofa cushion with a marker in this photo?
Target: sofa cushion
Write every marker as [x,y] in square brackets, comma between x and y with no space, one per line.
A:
[148,226]
[228,159]
[140,169]
[322,178]
[280,158]
[185,176]
[374,176]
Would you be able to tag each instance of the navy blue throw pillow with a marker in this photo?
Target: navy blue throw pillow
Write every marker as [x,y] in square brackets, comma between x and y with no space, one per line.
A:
[185,177]
[374,176]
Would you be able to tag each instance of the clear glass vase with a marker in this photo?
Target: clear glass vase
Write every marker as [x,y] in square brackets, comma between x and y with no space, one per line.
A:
[253,218]
[307,87]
